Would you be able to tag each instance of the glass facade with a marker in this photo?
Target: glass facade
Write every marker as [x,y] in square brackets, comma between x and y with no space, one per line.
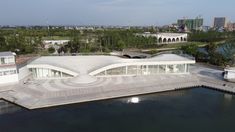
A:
[117,71]
[48,73]
[7,60]
[8,72]
[146,70]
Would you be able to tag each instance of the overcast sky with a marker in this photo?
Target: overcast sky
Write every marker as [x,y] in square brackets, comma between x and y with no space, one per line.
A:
[111,12]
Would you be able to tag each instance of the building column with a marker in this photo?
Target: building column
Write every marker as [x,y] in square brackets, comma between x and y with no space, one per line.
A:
[165,69]
[126,70]
[158,66]
[137,70]
[147,69]
[174,68]
[185,68]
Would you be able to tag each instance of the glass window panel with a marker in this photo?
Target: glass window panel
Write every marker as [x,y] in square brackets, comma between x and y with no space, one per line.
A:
[117,71]
[162,68]
[66,75]
[101,74]
[181,68]
[170,69]
[132,70]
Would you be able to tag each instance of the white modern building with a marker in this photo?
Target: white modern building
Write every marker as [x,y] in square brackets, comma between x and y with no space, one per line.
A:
[172,37]
[52,43]
[8,69]
[88,68]
[167,38]
[229,74]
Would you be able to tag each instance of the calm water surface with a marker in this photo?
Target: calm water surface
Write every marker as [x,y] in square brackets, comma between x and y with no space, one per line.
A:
[194,110]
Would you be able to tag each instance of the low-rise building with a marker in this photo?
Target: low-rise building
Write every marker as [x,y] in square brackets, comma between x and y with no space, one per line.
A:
[53,43]
[231,26]
[167,38]
[8,69]
[229,74]
[90,67]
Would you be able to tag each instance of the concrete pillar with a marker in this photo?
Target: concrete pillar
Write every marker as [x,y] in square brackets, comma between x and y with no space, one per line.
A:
[166,69]
[147,69]
[174,68]
[158,66]
[137,70]
[185,68]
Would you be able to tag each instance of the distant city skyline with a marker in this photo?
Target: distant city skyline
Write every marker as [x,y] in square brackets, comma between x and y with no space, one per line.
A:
[111,12]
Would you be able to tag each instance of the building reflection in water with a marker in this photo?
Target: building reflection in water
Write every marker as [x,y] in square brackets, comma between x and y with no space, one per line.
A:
[228,96]
[152,97]
[6,107]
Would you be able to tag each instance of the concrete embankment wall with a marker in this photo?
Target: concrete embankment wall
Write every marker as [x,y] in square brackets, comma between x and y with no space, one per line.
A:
[32,99]
[23,71]
[102,93]
[7,79]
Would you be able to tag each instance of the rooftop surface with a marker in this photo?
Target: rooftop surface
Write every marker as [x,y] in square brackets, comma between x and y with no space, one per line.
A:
[6,54]
[172,34]
[230,69]
[86,64]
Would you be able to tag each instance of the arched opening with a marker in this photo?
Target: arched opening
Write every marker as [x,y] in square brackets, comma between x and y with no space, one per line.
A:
[173,40]
[169,40]
[181,39]
[127,56]
[160,40]
[139,57]
[177,39]
[185,39]
[164,40]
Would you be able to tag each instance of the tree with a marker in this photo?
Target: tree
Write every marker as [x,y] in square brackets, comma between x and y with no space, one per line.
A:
[3,45]
[191,49]
[120,45]
[228,50]
[51,50]
[211,48]
[73,46]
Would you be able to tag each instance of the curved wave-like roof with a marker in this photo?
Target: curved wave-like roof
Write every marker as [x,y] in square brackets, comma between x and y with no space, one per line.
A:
[87,64]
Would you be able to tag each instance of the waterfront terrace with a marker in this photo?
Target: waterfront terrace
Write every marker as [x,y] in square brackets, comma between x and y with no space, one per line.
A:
[76,79]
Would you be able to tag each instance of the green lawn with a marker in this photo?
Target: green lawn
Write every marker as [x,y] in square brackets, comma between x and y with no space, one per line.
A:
[178,45]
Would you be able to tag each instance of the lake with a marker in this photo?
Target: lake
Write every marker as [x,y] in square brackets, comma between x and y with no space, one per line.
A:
[192,110]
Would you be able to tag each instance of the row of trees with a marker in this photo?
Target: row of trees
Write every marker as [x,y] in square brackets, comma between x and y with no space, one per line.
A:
[211,36]
[221,55]
[121,39]
[27,41]
[107,41]
[20,44]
